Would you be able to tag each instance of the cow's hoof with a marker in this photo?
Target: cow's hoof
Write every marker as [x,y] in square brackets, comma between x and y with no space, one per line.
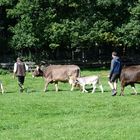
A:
[133,93]
[114,94]
[21,90]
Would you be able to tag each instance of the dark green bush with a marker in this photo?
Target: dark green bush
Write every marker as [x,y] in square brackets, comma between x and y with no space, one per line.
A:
[4,72]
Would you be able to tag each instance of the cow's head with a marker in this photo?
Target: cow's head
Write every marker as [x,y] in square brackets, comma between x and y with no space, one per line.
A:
[75,81]
[37,72]
[78,84]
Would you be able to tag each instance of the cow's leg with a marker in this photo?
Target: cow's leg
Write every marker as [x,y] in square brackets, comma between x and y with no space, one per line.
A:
[46,85]
[2,89]
[122,90]
[101,87]
[72,83]
[56,86]
[134,89]
[94,87]
[84,90]
[123,84]
[72,86]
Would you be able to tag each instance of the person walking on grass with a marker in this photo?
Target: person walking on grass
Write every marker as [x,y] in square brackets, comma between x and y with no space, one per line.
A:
[115,71]
[20,69]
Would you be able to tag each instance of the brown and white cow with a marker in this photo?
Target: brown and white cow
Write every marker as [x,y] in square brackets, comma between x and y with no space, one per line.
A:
[129,76]
[58,73]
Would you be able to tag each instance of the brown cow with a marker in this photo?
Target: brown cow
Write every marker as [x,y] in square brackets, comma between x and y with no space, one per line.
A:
[58,73]
[129,76]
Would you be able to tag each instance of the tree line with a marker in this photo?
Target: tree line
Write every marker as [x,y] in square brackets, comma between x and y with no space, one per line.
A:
[38,25]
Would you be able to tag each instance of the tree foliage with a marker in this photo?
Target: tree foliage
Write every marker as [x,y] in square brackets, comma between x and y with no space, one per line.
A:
[62,23]
[129,32]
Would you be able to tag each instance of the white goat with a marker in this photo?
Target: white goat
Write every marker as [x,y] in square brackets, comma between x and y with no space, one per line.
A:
[89,80]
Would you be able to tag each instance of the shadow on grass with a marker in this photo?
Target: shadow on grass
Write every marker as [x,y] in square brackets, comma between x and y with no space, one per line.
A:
[95,69]
[8,92]
[97,90]
[134,94]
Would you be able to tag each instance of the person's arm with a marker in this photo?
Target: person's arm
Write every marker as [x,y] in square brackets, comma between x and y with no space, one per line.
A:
[26,67]
[15,70]
[112,68]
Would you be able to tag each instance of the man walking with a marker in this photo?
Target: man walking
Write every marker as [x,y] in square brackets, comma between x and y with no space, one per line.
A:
[20,69]
[115,71]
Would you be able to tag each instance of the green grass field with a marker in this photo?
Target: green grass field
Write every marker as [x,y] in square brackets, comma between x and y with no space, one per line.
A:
[66,115]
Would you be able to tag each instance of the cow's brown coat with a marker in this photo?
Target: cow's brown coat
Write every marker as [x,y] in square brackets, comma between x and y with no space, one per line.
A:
[129,76]
[58,73]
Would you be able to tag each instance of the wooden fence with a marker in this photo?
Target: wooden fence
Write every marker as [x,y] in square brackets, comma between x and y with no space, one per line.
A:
[80,63]
[10,66]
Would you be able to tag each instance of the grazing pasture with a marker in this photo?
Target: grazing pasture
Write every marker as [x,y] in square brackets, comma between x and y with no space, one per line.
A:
[67,115]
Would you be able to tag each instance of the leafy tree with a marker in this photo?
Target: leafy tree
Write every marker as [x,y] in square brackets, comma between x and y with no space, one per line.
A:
[129,32]
[52,24]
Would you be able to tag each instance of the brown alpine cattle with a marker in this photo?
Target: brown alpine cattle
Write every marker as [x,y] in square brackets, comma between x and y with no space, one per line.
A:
[58,73]
[129,76]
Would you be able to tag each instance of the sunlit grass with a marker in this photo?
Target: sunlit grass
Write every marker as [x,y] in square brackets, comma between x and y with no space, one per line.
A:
[66,115]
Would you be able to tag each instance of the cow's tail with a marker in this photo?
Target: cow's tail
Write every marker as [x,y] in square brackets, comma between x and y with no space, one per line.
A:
[98,80]
[78,72]
[121,75]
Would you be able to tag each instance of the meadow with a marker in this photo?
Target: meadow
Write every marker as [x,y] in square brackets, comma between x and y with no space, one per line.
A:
[66,115]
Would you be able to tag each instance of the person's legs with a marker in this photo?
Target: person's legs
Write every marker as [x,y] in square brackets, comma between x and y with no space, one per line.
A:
[113,83]
[21,83]
[112,86]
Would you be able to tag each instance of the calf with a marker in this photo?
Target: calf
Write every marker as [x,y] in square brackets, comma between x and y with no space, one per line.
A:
[129,76]
[1,87]
[89,80]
